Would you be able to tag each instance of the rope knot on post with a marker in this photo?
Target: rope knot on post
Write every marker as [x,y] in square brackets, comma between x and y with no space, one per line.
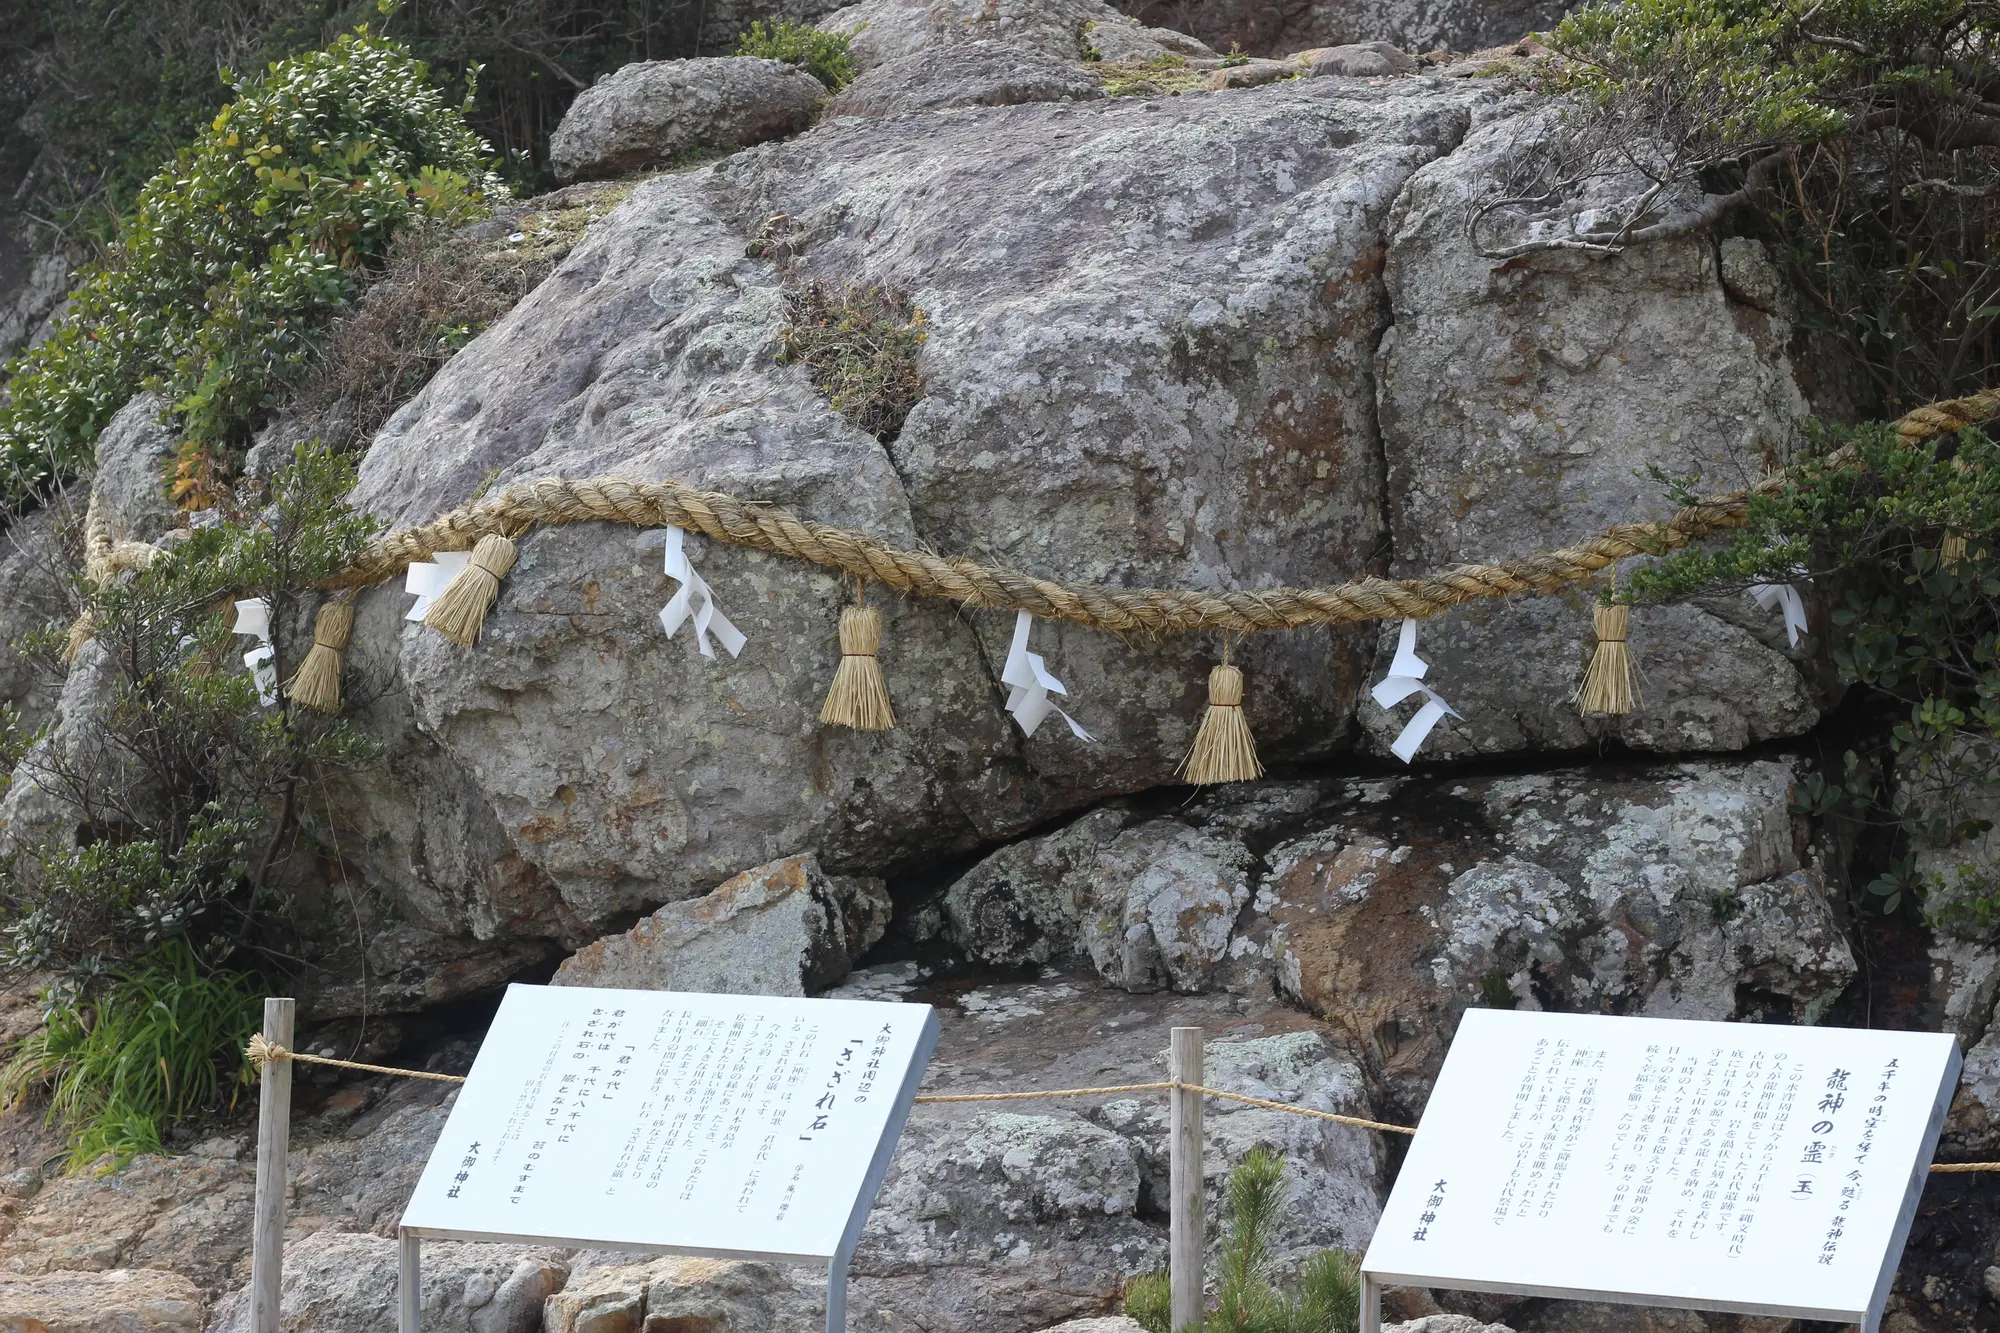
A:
[262,1051]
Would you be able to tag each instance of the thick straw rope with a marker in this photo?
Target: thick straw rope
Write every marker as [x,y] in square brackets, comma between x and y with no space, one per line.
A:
[261,1050]
[557,501]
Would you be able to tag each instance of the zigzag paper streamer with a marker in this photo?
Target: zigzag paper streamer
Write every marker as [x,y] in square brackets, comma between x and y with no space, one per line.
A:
[1030,684]
[1405,678]
[694,599]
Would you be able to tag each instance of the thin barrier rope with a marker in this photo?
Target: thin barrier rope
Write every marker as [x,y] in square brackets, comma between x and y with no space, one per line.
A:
[262,1050]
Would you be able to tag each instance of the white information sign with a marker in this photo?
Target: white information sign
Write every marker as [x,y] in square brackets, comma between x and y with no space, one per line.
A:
[1718,1166]
[740,1126]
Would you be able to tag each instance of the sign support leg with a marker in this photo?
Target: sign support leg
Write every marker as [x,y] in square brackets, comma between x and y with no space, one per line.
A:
[836,1295]
[1371,1305]
[274,1136]
[1185,1254]
[409,1282]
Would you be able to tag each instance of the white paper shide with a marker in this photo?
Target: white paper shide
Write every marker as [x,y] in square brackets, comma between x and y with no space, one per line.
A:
[427,579]
[1029,683]
[253,617]
[694,600]
[1405,678]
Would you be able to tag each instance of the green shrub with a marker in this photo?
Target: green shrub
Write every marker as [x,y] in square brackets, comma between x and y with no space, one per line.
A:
[125,1056]
[1915,624]
[1327,1298]
[235,252]
[824,55]
[178,832]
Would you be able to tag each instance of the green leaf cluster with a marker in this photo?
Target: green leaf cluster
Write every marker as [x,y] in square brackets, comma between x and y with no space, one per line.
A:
[146,1046]
[1327,1292]
[236,252]
[1904,539]
[198,793]
[824,55]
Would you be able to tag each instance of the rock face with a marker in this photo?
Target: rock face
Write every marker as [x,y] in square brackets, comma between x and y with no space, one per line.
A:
[617,1295]
[1675,892]
[33,595]
[134,455]
[1520,406]
[1359,60]
[646,114]
[632,772]
[1412,25]
[782,929]
[121,1301]
[979,72]
[1151,906]
[347,1281]
[1151,359]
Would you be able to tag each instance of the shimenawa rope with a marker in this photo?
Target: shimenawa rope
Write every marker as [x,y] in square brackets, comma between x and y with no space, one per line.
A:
[261,1050]
[556,501]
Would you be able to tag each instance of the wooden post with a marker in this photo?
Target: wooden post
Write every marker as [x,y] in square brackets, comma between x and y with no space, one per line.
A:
[274,1141]
[1371,1305]
[409,1282]
[1185,1254]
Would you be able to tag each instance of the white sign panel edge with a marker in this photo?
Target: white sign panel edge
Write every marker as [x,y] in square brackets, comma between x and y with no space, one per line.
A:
[1897,1238]
[870,1185]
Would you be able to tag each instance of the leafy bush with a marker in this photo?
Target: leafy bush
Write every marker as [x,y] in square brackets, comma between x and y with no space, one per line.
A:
[235,252]
[193,800]
[1856,136]
[824,55]
[123,1058]
[1905,540]
[861,347]
[1328,1290]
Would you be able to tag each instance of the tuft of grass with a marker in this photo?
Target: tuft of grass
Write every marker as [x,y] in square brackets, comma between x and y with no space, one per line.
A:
[860,345]
[1328,1295]
[824,55]
[155,1043]
[1165,74]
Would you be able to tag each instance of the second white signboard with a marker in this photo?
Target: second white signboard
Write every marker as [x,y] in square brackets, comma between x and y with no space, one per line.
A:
[1720,1166]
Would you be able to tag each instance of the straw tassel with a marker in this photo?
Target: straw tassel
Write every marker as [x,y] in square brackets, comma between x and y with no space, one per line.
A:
[859,697]
[1609,683]
[460,610]
[1223,750]
[317,684]
[1952,550]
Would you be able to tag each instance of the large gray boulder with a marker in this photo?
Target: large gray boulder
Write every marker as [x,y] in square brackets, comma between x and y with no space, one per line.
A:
[631,770]
[1149,906]
[1151,360]
[1521,406]
[786,928]
[979,72]
[648,114]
